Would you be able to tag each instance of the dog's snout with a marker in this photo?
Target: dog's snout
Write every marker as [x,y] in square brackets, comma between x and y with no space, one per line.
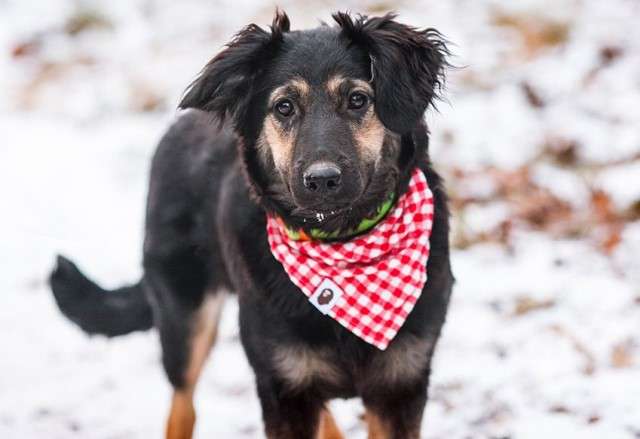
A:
[322,177]
[324,184]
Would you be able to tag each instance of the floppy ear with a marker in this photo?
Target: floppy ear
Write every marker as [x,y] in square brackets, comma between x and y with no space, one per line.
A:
[407,66]
[225,85]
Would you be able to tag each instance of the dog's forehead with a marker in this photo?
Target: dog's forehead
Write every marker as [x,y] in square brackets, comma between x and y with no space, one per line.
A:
[318,55]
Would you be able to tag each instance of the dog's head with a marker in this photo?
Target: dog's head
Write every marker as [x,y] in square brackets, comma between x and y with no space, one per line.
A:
[325,116]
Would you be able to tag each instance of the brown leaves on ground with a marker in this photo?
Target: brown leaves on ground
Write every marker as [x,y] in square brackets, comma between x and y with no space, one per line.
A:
[27,47]
[84,20]
[530,205]
[622,354]
[609,54]
[536,207]
[381,7]
[561,151]
[48,73]
[532,95]
[609,218]
[536,32]
[525,305]
[606,57]
[633,211]
[144,98]
[589,359]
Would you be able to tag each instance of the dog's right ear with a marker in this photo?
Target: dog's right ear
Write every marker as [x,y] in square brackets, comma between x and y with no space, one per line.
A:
[225,85]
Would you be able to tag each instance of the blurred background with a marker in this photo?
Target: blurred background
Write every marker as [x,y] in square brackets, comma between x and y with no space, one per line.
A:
[539,140]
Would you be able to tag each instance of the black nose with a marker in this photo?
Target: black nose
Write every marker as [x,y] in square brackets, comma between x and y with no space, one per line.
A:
[322,177]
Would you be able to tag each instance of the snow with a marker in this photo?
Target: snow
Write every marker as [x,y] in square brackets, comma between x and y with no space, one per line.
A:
[543,337]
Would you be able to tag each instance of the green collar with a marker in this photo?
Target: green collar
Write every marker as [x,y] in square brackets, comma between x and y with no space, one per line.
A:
[365,225]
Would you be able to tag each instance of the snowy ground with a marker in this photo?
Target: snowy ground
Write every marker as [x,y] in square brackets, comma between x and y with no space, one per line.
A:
[539,139]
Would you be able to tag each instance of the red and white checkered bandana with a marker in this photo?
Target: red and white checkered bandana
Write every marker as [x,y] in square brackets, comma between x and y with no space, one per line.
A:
[371,283]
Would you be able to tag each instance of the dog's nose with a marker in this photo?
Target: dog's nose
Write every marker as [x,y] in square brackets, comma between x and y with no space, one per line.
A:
[322,177]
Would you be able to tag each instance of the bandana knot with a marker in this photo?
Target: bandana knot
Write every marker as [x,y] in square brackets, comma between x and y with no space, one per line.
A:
[370,283]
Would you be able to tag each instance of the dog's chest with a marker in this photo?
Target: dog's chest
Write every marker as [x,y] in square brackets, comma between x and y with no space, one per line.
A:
[404,362]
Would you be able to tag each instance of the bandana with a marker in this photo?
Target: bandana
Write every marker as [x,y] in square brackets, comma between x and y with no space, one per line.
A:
[370,283]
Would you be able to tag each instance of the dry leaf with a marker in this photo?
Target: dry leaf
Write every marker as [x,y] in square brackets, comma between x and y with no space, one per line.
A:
[602,206]
[612,239]
[541,208]
[474,80]
[593,419]
[526,304]
[86,20]
[561,151]
[509,182]
[608,54]
[560,409]
[26,48]
[382,7]
[589,359]
[622,355]
[633,211]
[532,96]
[48,72]
[537,32]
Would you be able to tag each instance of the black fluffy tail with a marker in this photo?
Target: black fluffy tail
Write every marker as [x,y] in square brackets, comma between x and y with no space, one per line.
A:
[95,310]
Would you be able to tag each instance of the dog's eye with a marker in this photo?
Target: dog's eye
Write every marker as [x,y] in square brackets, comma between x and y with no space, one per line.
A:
[284,107]
[357,100]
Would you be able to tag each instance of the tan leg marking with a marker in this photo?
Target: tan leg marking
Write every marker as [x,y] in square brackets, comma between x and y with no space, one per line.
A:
[182,417]
[376,426]
[328,428]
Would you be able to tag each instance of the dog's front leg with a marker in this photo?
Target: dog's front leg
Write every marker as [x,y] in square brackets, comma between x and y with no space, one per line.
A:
[290,415]
[395,413]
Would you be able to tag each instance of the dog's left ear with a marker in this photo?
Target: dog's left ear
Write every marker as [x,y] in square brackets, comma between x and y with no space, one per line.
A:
[225,85]
[407,66]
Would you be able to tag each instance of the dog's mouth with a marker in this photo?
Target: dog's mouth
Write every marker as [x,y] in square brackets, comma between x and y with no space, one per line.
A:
[331,215]
[328,212]
[321,214]
[324,209]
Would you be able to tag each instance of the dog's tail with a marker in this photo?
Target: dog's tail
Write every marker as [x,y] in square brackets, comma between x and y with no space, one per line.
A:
[96,310]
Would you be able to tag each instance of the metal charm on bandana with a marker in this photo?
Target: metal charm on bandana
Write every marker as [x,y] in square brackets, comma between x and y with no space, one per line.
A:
[370,283]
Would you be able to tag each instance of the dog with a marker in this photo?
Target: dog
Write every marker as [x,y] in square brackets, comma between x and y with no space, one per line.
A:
[312,131]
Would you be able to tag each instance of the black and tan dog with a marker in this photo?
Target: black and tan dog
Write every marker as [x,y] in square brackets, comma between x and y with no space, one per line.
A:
[316,127]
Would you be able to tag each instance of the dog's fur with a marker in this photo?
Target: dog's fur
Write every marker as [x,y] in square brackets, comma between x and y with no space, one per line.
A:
[211,184]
